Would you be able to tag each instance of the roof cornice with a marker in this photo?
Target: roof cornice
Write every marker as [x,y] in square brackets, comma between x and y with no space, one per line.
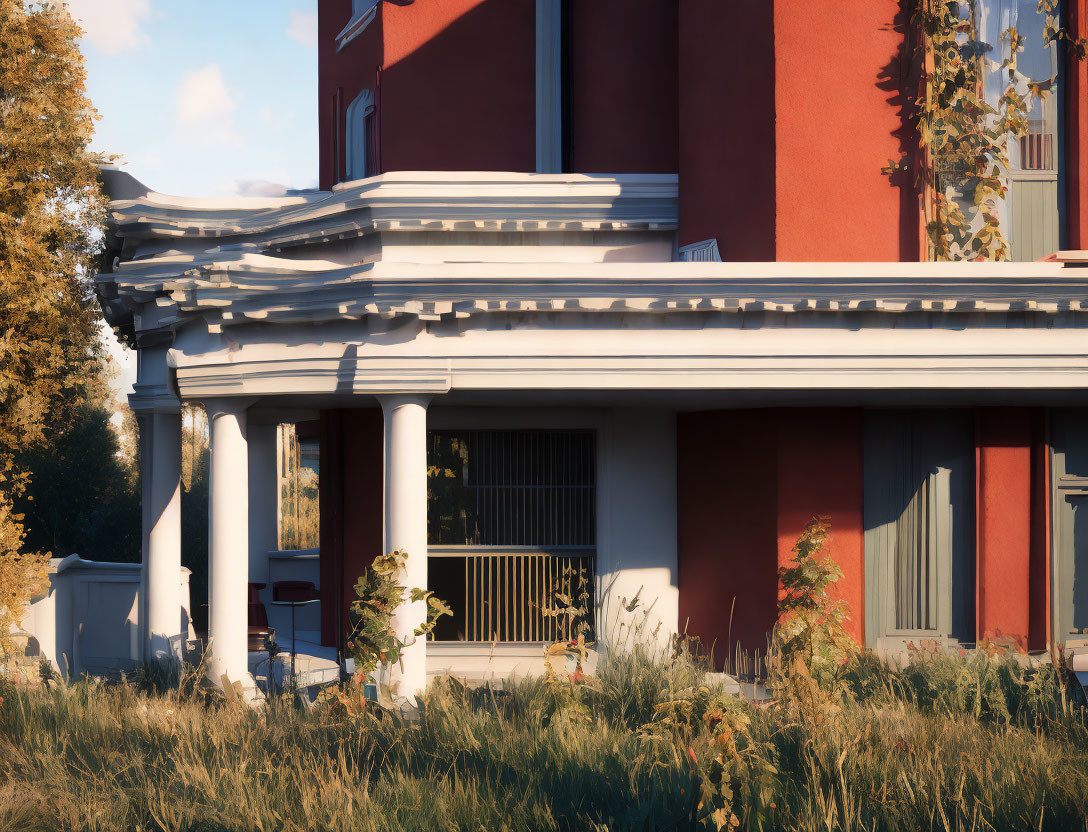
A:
[405,201]
[268,289]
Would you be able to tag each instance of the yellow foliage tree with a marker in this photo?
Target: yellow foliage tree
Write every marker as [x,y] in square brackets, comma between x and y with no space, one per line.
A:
[50,210]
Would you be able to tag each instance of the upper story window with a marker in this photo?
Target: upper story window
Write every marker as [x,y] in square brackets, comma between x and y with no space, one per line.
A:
[362,13]
[1029,215]
[358,140]
[1038,62]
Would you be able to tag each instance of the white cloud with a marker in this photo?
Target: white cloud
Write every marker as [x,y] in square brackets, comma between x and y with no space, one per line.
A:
[113,26]
[203,99]
[258,187]
[203,94]
[303,28]
[276,118]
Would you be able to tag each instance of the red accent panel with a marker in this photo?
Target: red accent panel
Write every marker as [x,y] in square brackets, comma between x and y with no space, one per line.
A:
[1005,540]
[727,125]
[820,472]
[1076,133]
[623,100]
[330,485]
[364,450]
[352,443]
[726,526]
[841,115]
[458,85]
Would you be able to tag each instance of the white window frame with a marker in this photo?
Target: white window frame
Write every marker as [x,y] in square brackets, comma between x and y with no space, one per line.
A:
[362,13]
[355,136]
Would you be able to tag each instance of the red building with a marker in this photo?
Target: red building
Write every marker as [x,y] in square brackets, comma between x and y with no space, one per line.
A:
[651,245]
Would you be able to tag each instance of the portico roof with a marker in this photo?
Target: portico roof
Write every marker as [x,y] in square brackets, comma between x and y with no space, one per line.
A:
[290,259]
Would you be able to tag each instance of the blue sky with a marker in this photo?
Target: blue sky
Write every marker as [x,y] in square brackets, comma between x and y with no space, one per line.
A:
[205,97]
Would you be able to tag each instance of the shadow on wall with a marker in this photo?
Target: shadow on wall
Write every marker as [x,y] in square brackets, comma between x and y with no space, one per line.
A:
[479,107]
[901,79]
[88,619]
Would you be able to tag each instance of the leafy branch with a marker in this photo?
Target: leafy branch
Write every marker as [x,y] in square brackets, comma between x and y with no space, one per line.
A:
[963,163]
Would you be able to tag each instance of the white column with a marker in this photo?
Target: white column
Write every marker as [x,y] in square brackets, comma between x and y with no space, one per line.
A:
[406,523]
[145,426]
[228,550]
[164,629]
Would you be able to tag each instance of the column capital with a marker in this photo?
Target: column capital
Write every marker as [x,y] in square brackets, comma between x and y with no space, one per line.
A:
[146,399]
[227,405]
[389,401]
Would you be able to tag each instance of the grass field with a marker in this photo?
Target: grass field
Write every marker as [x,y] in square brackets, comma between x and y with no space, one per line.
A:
[949,743]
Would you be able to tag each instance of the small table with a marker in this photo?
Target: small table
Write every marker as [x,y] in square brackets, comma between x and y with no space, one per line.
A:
[294,594]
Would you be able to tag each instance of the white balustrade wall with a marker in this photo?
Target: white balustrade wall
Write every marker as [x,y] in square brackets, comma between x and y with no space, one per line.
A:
[88,619]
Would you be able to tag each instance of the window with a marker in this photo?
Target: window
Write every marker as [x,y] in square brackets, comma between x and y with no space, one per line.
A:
[1069,498]
[297,470]
[358,139]
[511,521]
[919,525]
[362,13]
[1030,219]
[1033,219]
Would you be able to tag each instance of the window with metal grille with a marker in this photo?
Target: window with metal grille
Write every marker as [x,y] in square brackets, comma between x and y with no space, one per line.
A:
[511,527]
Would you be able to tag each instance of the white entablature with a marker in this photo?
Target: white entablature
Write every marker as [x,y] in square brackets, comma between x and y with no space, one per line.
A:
[439,246]
[491,281]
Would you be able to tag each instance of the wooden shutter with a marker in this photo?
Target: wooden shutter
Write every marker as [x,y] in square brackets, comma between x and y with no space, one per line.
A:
[919,528]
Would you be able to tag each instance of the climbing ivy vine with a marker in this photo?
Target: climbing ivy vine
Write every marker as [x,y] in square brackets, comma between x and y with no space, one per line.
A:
[963,160]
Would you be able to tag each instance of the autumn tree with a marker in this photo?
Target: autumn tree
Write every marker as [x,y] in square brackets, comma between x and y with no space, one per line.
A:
[50,210]
[84,491]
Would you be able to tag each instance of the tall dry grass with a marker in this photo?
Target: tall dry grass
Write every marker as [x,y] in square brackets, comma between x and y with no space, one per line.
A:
[628,748]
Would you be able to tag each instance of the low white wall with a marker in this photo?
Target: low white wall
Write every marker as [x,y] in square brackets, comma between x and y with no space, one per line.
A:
[88,621]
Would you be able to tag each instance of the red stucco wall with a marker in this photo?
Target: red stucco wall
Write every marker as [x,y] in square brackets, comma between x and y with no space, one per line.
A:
[458,85]
[350,484]
[838,121]
[623,99]
[1011,522]
[820,473]
[727,126]
[741,506]
[788,112]
[350,70]
[726,533]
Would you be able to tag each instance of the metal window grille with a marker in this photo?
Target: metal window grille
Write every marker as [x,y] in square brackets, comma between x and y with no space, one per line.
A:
[512,522]
[1037,151]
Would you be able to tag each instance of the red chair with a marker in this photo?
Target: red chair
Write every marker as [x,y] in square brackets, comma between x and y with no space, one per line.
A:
[261,635]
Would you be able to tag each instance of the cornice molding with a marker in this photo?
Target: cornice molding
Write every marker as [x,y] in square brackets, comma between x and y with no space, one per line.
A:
[246,288]
[461,201]
[424,375]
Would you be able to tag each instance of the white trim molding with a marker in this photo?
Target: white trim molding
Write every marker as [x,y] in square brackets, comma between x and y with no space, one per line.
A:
[356,137]
[363,13]
[704,251]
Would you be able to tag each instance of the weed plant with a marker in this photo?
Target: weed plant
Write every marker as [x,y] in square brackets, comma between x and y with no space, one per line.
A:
[946,741]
